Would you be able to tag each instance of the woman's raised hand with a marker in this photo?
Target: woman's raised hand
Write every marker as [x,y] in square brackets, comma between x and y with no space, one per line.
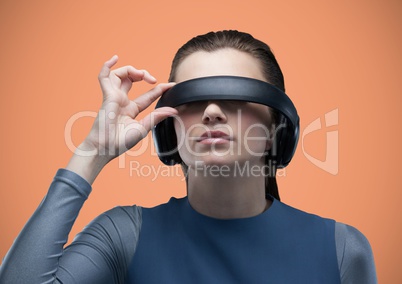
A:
[116,129]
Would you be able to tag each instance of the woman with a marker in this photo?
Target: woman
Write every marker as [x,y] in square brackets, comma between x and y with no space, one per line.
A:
[231,228]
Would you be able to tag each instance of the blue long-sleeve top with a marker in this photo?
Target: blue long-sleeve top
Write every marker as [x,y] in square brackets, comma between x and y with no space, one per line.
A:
[104,251]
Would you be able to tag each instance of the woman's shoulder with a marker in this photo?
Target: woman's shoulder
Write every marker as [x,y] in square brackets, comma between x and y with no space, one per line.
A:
[118,228]
[130,211]
[355,256]
[351,238]
[133,214]
[121,219]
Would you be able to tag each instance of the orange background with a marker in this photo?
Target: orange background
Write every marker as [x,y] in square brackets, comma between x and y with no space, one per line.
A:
[343,55]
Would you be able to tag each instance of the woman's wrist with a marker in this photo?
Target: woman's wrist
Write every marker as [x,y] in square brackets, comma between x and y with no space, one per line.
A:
[87,162]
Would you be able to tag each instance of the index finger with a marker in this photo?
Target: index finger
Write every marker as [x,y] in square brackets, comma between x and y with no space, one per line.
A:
[149,97]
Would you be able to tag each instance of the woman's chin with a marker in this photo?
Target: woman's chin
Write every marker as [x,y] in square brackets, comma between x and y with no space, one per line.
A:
[224,161]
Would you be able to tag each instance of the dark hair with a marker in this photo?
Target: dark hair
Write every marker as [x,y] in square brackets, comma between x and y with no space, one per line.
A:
[245,42]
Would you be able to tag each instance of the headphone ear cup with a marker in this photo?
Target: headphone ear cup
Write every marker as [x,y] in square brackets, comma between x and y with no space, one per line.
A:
[165,141]
[285,142]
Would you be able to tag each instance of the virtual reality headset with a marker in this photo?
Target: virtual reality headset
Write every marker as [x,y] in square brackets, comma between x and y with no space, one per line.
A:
[235,89]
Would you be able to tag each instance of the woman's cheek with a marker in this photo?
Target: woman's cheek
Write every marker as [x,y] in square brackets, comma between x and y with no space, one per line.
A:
[255,138]
[182,130]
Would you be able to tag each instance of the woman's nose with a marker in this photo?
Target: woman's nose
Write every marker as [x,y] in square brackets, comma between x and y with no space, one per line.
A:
[213,113]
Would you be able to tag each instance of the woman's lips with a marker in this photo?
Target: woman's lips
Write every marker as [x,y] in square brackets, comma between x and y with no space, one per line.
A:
[214,137]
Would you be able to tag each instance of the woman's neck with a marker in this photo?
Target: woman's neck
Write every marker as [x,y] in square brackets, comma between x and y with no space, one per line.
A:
[226,196]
